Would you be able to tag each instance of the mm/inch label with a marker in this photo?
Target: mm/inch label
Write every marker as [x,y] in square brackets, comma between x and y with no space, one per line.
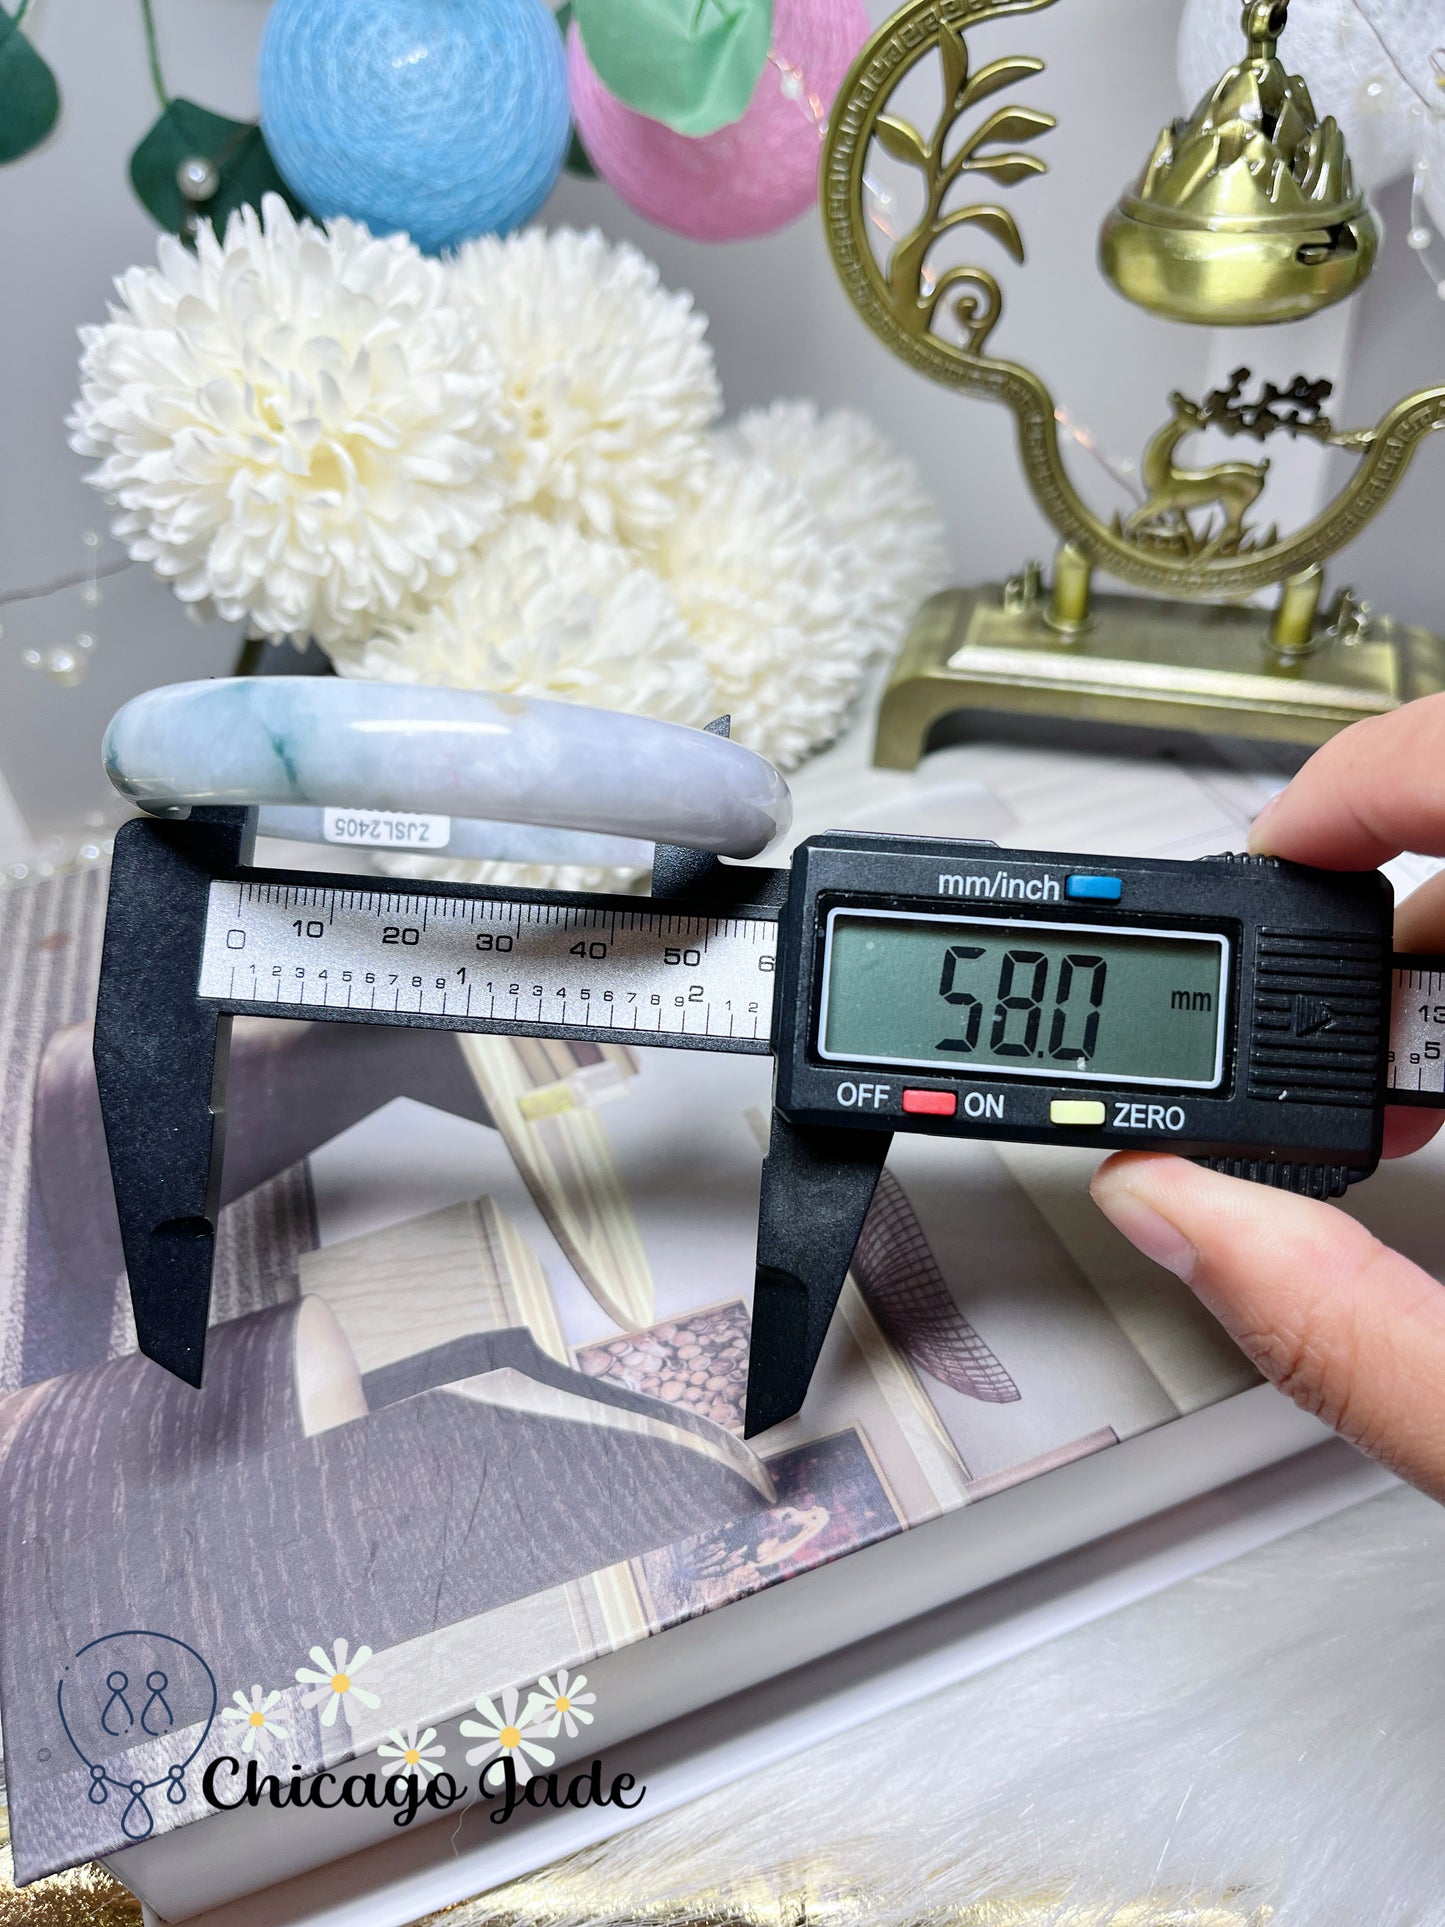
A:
[490,961]
[1417,1035]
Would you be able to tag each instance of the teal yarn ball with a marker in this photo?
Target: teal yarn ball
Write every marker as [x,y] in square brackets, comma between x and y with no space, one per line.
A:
[443,118]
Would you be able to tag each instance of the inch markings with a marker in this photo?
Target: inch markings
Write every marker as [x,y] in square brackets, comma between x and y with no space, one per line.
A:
[1417,1034]
[484,960]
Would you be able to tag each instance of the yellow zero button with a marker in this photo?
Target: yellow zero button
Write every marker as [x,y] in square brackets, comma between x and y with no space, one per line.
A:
[1085,1113]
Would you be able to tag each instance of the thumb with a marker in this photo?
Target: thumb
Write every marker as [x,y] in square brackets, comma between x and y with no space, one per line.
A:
[1352,1331]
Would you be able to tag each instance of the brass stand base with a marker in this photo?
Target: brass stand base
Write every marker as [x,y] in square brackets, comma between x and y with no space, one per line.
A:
[1168,665]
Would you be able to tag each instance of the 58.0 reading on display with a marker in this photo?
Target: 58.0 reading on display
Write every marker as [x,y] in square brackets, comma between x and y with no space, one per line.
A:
[1053,1001]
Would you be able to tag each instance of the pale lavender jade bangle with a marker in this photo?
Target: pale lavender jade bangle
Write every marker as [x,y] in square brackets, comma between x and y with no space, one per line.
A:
[312,740]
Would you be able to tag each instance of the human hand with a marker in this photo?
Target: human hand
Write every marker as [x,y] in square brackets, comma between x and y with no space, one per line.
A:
[1352,1331]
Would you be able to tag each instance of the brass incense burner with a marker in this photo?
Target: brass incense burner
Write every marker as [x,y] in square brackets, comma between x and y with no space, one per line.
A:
[1246,212]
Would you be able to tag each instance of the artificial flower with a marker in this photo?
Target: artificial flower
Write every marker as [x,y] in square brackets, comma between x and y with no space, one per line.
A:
[545,610]
[335,1682]
[410,1753]
[873,500]
[767,594]
[300,424]
[504,874]
[565,1703]
[254,1711]
[507,1734]
[610,381]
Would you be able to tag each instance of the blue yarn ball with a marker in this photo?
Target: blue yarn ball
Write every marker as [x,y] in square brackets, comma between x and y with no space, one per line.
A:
[445,118]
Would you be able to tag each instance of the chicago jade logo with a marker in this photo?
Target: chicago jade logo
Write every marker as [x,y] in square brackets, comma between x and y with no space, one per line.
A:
[137,1709]
[228,1782]
[518,1766]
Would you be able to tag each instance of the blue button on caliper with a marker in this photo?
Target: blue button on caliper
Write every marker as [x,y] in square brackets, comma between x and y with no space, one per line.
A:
[1095,889]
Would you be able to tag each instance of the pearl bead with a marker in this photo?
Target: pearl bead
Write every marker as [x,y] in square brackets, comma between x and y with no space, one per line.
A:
[62,665]
[197,178]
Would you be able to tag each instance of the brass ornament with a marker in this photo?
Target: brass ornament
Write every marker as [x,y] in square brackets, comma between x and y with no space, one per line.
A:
[1247,212]
[1196,538]
[1169,518]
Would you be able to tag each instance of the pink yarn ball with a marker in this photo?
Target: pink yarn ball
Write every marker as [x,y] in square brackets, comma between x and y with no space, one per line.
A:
[751,177]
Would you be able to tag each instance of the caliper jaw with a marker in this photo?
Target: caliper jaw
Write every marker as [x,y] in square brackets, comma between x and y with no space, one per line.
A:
[817,1186]
[160,1067]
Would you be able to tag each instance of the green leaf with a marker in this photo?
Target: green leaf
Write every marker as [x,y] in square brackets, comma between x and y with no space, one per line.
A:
[692,64]
[900,140]
[236,149]
[577,161]
[29,97]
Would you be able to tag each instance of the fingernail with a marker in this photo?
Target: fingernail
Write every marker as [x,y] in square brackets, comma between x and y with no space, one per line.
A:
[1148,1230]
[1257,843]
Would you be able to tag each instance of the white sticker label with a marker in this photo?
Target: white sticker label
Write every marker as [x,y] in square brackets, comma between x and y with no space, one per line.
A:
[387,829]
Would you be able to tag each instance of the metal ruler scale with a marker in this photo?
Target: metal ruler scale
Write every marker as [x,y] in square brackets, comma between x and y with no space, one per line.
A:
[1416,1067]
[550,968]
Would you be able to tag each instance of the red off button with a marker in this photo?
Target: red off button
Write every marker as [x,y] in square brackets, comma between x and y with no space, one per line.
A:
[930,1103]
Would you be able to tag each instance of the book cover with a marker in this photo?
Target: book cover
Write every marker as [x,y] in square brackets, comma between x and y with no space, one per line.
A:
[472,1408]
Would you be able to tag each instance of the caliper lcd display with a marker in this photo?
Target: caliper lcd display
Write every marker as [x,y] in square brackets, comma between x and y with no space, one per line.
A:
[1010,998]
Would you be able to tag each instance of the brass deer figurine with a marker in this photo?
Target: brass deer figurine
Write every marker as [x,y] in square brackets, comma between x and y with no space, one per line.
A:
[1175,493]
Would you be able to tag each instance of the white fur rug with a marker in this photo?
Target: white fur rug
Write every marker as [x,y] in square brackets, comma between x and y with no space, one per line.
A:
[1266,1742]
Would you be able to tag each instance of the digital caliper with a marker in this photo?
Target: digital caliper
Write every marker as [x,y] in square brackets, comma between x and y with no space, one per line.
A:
[1237,1010]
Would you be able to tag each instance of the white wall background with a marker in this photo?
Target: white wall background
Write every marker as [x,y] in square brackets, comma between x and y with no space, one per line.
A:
[780,326]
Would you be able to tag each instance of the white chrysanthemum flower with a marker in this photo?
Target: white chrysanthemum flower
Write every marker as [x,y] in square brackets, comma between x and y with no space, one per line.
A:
[299,424]
[768,595]
[609,377]
[544,610]
[514,876]
[873,499]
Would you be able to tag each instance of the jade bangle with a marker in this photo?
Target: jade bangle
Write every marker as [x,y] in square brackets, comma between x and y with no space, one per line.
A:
[310,743]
